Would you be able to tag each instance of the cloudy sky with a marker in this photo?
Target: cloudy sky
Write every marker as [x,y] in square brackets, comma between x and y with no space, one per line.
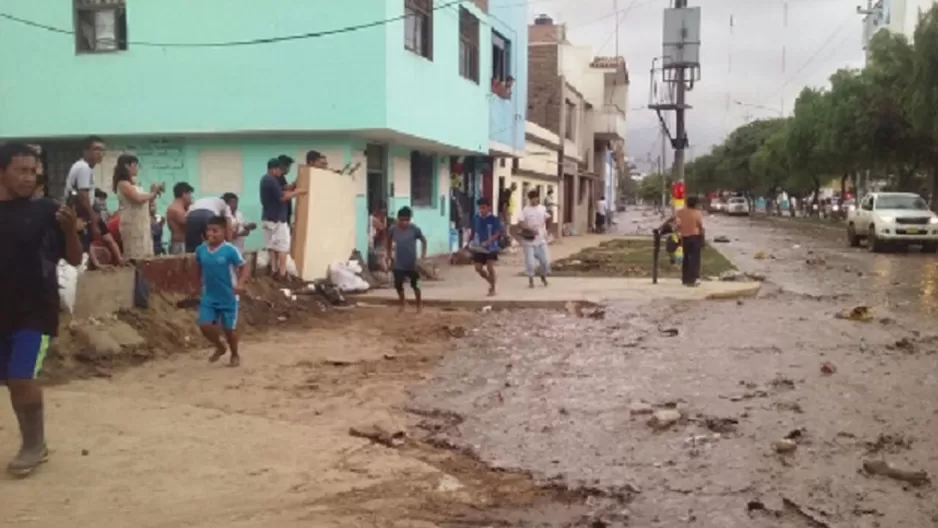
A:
[743,63]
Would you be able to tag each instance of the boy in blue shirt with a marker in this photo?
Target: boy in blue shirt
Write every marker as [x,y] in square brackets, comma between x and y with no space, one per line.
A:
[486,229]
[224,275]
[403,237]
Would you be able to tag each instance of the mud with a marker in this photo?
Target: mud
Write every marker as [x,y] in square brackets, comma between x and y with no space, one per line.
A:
[100,347]
[568,398]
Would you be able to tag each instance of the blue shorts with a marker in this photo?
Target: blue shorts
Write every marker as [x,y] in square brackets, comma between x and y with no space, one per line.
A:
[225,317]
[22,353]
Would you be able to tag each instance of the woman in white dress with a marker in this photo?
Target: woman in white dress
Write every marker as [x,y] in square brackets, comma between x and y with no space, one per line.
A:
[135,222]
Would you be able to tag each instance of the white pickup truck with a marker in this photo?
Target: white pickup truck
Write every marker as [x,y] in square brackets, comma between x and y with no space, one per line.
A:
[892,219]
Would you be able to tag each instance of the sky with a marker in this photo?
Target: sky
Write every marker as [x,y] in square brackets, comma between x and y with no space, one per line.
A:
[744,63]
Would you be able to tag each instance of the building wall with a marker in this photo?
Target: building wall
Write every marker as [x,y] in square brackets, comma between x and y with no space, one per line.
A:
[362,82]
[537,169]
[429,99]
[433,220]
[158,90]
[507,116]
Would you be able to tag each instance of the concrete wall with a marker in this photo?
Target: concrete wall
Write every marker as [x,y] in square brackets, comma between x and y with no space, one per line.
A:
[507,116]
[102,293]
[159,89]
[428,98]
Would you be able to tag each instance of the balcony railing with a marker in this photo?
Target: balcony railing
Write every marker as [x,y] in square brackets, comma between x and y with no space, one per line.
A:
[609,123]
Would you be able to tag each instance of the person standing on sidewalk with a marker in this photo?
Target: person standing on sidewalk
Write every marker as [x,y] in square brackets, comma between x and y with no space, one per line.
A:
[401,242]
[534,218]
[486,229]
[35,233]
[690,226]
[274,200]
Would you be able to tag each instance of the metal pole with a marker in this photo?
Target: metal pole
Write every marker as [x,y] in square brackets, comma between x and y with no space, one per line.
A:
[662,163]
[680,131]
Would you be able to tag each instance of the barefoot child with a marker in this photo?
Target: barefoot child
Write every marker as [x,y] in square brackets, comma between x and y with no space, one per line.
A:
[486,229]
[224,274]
[402,238]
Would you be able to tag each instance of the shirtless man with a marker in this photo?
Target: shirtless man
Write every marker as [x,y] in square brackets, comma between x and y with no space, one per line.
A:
[176,217]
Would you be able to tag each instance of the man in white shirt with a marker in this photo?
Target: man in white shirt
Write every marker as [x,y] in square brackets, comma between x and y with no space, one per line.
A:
[240,227]
[80,187]
[602,213]
[200,212]
[533,223]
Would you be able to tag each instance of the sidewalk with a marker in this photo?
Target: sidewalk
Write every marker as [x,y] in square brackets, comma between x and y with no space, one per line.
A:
[461,287]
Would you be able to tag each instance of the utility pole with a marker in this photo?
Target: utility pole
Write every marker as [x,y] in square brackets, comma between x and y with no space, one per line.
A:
[662,163]
[680,129]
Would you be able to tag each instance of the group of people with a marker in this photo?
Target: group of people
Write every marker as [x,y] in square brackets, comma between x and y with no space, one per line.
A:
[37,232]
[488,231]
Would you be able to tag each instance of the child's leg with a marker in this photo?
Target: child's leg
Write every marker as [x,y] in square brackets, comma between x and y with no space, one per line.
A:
[399,276]
[415,285]
[479,263]
[540,254]
[229,323]
[208,324]
[490,271]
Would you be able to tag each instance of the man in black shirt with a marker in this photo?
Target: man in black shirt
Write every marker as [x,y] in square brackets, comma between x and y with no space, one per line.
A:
[286,162]
[35,233]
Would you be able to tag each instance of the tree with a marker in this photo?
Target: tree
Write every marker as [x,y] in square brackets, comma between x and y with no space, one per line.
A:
[737,153]
[921,102]
[650,187]
[805,151]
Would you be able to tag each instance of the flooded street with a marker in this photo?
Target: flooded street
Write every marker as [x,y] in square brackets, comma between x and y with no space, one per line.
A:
[762,412]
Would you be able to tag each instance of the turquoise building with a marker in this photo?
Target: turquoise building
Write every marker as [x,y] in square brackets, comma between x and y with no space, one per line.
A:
[207,91]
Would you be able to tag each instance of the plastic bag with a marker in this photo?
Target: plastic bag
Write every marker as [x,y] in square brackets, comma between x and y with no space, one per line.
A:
[345,279]
[68,282]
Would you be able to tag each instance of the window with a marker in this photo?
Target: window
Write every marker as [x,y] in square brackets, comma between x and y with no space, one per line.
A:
[570,132]
[421,179]
[418,27]
[515,165]
[468,45]
[100,26]
[502,81]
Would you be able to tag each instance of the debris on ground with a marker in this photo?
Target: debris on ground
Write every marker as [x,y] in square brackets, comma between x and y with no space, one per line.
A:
[815,261]
[721,239]
[380,434]
[721,425]
[905,344]
[740,276]
[784,446]
[637,408]
[883,468]
[664,419]
[862,314]
[668,332]
[760,255]
[456,331]
[828,368]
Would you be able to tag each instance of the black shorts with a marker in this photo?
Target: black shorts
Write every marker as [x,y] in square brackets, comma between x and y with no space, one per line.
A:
[484,258]
[401,276]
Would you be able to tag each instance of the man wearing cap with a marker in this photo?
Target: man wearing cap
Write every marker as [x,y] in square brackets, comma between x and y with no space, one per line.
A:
[274,200]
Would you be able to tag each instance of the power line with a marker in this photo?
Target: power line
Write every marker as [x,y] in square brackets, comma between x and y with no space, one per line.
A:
[233,43]
[815,55]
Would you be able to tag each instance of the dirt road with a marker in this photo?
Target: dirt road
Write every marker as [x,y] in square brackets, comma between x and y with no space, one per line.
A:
[180,442]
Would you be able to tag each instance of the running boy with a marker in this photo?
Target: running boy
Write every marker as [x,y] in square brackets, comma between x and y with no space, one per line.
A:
[35,233]
[224,275]
[402,238]
[485,232]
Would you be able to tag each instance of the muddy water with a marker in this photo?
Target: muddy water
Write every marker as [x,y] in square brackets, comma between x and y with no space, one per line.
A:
[557,395]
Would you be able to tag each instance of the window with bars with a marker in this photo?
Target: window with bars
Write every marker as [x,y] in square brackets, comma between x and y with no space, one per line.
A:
[100,26]
[501,57]
[421,179]
[418,27]
[468,45]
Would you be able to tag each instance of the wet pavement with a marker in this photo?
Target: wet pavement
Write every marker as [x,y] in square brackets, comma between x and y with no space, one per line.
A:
[779,403]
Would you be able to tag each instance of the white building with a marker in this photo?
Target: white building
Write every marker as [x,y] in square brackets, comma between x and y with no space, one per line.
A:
[898,16]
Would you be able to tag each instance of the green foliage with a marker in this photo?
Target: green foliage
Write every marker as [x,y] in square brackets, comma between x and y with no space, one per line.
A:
[883,118]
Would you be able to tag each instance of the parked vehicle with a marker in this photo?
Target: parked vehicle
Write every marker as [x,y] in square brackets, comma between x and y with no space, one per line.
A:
[893,219]
[737,206]
[717,206]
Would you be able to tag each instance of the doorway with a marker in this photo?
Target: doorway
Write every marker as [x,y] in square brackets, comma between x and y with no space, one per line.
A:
[377,177]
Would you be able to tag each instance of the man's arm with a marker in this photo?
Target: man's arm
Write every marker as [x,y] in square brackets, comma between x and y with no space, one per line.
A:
[73,250]
[423,244]
[496,232]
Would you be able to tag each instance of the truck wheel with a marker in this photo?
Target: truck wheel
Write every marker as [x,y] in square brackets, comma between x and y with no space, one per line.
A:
[852,239]
[872,243]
